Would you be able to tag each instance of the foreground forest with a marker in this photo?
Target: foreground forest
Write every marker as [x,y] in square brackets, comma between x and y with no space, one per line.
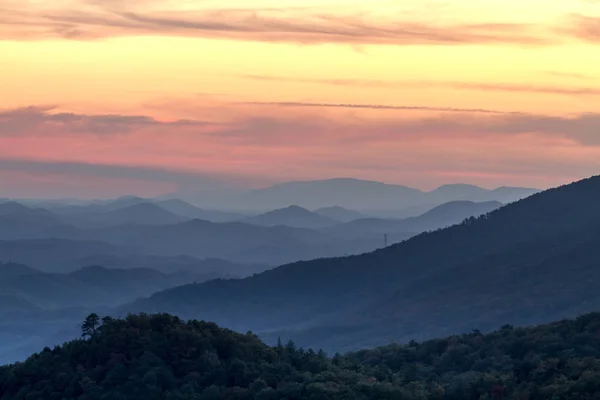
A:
[163,357]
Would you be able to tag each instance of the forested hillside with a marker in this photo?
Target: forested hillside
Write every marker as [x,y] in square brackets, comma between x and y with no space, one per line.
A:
[163,357]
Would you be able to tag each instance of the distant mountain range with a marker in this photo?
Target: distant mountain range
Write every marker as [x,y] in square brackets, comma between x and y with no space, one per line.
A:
[62,256]
[328,197]
[439,217]
[145,228]
[89,256]
[177,210]
[89,286]
[527,262]
[364,196]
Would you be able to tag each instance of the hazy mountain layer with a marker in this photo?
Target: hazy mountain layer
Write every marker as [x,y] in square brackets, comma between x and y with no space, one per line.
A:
[366,196]
[504,258]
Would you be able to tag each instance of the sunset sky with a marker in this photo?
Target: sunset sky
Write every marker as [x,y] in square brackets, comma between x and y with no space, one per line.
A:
[106,97]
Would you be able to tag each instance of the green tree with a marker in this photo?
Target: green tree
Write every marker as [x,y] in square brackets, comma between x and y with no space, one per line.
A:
[90,325]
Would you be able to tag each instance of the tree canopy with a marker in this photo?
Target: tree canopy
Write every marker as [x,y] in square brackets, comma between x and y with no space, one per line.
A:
[163,357]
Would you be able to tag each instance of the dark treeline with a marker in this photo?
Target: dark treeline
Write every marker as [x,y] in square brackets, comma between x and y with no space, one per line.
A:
[163,357]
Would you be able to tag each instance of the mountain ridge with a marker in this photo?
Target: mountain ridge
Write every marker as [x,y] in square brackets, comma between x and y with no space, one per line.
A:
[293,216]
[340,213]
[365,196]
[444,215]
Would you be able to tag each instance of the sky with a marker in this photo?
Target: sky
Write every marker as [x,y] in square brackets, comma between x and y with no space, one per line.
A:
[109,97]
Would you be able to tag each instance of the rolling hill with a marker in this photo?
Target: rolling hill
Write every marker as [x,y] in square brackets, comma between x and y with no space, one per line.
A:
[185,209]
[141,213]
[171,264]
[90,286]
[237,242]
[56,255]
[11,270]
[340,213]
[293,216]
[12,306]
[517,258]
[204,239]
[18,221]
[18,209]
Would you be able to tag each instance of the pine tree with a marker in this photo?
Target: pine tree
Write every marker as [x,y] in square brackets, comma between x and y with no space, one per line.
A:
[90,325]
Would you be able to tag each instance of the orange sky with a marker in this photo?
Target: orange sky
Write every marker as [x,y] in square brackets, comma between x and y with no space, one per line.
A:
[418,93]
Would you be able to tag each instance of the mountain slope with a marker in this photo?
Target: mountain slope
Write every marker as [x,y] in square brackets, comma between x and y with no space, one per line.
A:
[14,208]
[204,239]
[18,221]
[344,291]
[340,213]
[143,214]
[53,291]
[439,217]
[10,270]
[448,214]
[12,306]
[293,216]
[185,209]
[55,255]
[173,264]
[506,194]
[91,286]
[457,192]
[95,207]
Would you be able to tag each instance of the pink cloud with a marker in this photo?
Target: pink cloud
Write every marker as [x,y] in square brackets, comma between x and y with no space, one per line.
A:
[586,28]
[480,86]
[94,20]
[25,184]
[266,144]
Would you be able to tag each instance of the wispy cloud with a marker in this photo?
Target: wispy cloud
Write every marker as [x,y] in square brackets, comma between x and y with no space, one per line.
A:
[512,87]
[92,20]
[301,142]
[260,126]
[381,107]
[144,173]
[480,86]
[585,27]
[575,75]
[582,129]
[43,120]
[60,179]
